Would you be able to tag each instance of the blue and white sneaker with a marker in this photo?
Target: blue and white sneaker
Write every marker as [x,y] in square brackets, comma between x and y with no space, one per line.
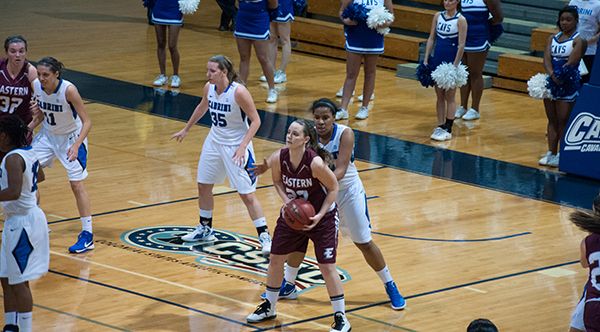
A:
[398,302]
[201,233]
[85,242]
[287,291]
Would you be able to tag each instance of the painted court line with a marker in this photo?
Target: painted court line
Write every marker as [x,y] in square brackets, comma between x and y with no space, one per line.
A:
[381,322]
[136,203]
[453,240]
[476,290]
[170,283]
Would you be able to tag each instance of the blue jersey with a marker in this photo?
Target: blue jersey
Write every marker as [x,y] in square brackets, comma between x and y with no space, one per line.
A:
[446,40]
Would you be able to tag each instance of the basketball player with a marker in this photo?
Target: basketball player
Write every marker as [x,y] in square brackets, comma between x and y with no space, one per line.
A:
[590,259]
[477,13]
[299,171]
[228,148]
[63,136]
[16,77]
[25,253]
[363,44]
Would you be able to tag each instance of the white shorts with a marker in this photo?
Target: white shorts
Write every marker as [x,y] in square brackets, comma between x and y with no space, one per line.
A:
[25,252]
[216,162]
[354,213]
[577,316]
[48,146]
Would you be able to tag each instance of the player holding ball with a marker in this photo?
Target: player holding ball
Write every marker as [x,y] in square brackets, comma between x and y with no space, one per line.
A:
[301,170]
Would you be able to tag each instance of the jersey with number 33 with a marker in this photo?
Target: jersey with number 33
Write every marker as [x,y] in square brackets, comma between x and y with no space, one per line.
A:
[229,122]
[60,117]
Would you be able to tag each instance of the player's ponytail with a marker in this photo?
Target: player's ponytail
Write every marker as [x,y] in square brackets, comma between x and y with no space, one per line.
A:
[589,222]
[313,142]
[225,64]
[54,65]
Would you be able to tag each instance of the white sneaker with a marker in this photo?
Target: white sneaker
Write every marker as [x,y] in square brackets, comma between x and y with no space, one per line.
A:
[280,77]
[342,114]
[360,98]
[272,96]
[175,81]
[554,160]
[340,93]
[471,115]
[439,134]
[262,78]
[262,313]
[545,158]
[460,111]
[340,323]
[265,243]
[363,113]
[201,233]
[160,80]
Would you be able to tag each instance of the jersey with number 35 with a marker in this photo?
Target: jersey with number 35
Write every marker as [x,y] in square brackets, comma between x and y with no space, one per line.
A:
[15,93]
[27,199]
[60,117]
[229,122]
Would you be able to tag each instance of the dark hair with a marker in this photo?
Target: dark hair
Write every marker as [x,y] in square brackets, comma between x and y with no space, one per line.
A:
[568,9]
[15,128]
[324,102]
[458,5]
[54,65]
[225,64]
[482,325]
[589,222]
[14,39]
[313,141]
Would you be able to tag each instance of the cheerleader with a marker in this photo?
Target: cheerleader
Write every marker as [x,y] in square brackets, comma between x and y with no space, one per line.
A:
[564,50]
[448,32]
[477,13]
[166,16]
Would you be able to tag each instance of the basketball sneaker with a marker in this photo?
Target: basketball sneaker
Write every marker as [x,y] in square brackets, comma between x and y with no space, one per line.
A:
[262,313]
[340,93]
[175,81]
[360,98]
[272,96]
[340,323]
[398,302]
[85,242]
[160,80]
[287,291]
[201,233]
[265,243]
[363,113]
[342,114]
[471,114]
[460,111]
[545,158]
[280,77]
[10,328]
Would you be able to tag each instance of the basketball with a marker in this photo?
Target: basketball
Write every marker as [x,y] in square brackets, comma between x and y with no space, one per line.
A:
[297,212]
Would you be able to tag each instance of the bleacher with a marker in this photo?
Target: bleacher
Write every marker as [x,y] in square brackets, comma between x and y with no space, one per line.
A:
[513,59]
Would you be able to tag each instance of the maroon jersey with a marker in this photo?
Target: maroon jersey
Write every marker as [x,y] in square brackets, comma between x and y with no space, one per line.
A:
[299,182]
[16,93]
[592,253]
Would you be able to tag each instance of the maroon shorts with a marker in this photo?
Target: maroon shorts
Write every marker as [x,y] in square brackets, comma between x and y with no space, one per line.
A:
[591,316]
[324,236]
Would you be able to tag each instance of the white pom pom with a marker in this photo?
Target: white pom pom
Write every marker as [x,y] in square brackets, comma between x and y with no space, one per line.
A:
[378,16]
[537,86]
[447,76]
[187,7]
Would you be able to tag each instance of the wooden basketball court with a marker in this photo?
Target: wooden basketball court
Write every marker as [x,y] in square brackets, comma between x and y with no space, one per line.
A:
[460,246]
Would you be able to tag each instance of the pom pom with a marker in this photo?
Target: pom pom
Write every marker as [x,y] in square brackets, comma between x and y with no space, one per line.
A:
[569,81]
[300,7]
[496,31]
[356,12]
[447,76]
[536,86]
[187,7]
[424,75]
[378,16]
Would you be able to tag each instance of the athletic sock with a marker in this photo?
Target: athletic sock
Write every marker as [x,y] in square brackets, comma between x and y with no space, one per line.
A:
[385,275]
[10,318]
[291,273]
[448,125]
[86,224]
[206,218]
[338,303]
[272,295]
[25,321]
[260,224]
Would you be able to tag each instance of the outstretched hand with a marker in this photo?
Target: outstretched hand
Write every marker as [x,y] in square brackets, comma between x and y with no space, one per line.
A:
[259,169]
[180,135]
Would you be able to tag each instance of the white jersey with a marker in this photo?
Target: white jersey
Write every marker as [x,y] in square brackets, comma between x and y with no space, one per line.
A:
[447,27]
[229,122]
[589,21]
[27,200]
[333,146]
[561,50]
[60,117]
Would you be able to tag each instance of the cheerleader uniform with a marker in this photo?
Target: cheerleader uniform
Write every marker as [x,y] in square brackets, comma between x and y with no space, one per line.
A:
[166,12]
[446,40]
[252,21]
[478,28]
[286,11]
[362,39]
[560,52]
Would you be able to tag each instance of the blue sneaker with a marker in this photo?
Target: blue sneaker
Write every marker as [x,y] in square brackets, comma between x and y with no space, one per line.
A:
[287,291]
[85,242]
[398,302]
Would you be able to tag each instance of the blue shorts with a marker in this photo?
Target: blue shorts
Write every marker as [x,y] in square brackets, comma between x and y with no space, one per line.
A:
[362,39]
[166,12]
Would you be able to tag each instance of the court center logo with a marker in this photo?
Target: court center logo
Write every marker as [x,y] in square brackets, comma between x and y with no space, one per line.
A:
[230,250]
[584,133]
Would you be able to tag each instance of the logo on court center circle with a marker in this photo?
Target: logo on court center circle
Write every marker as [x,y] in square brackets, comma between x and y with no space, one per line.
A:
[230,250]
